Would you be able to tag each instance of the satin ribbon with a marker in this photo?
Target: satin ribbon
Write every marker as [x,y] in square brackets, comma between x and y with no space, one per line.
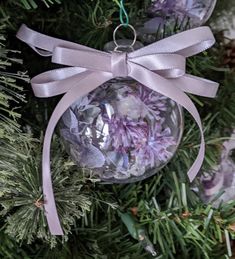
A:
[159,66]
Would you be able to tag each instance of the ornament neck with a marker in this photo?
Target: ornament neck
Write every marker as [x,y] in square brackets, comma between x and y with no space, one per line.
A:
[123,46]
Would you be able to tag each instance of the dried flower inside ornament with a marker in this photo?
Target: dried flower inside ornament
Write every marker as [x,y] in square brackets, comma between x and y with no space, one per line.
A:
[163,17]
[219,184]
[122,131]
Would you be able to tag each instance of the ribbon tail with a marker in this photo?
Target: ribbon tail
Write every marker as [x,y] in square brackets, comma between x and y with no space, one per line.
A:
[86,85]
[167,88]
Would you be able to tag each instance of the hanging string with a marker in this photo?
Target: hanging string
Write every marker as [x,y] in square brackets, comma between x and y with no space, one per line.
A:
[123,16]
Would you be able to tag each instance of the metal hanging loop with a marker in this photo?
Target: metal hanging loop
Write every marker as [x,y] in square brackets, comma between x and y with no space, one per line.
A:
[115,36]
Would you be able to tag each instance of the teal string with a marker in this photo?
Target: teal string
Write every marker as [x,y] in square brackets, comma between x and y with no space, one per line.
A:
[123,13]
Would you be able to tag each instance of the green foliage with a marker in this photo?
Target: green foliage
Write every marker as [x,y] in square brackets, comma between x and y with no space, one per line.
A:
[21,192]
[193,230]
[10,91]
[8,245]
[31,4]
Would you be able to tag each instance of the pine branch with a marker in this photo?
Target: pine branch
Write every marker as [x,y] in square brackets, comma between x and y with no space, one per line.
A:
[8,245]
[21,192]
[195,231]
[34,4]
[10,91]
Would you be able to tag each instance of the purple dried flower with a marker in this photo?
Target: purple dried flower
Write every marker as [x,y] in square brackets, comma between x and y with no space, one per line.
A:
[153,102]
[161,5]
[124,132]
[155,148]
[197,10]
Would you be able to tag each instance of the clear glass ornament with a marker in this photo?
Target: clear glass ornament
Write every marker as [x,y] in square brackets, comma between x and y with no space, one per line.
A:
[122,131]
[219,184]
[164,17]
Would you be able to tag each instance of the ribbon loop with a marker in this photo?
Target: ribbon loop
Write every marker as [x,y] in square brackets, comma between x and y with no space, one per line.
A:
[159,66]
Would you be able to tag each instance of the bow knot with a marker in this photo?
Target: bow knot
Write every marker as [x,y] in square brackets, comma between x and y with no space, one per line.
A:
[119,66]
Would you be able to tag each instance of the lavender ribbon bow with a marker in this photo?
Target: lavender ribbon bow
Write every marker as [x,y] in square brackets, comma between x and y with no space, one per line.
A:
[159,66]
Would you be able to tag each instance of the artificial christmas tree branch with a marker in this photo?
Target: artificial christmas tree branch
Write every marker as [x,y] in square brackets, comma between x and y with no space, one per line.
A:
[10,91]
[21,194]
[175,219]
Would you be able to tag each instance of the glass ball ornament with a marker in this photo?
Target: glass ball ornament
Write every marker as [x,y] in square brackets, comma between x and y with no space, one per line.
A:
[164,17]
[122,132]
[218,185]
